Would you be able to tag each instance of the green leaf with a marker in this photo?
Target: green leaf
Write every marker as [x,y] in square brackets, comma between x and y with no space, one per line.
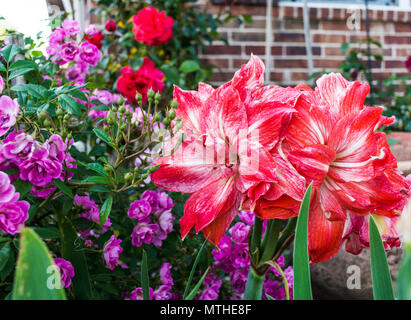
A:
[35,90]
[170,73]
[97,179]
[96,167]
[63,188]
[48,233]
[72,250]
[136,63]
[9,52]
[145,283]
[23,64]
[104,136]
[197,286]
[105,210]
[404,275]
[34,279]
[2,67]
[19,72]
[193,269]
[70,105]
[22,187]
[380,272]
[302,280]
[4,254]
[189,66]
[269,297]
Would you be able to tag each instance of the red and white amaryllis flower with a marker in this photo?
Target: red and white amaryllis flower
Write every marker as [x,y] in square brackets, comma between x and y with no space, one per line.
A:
[333,142]
[229,132]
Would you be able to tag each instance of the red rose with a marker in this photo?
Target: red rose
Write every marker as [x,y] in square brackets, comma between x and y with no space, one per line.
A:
[96,39]
[152,27]
[111,26]
[147,76]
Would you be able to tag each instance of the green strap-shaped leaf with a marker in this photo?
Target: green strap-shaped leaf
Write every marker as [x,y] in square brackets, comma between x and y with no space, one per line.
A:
[197,286]
[35,277]
[380,272]
[302,280]
[145,282]
[193,269]
[404,275]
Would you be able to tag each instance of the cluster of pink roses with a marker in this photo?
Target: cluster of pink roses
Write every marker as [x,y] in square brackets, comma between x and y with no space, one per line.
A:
[63,48]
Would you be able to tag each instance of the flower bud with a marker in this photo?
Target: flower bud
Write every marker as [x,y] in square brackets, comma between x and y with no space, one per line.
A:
[150,94]
[128,114]
[157,117]
[167,122]
[172,115]
[128,177]
[139,97]
[157,97]
[174,104]
[153,169]
[122,109]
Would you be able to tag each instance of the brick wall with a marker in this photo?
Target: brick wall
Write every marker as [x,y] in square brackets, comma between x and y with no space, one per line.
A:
[328,31]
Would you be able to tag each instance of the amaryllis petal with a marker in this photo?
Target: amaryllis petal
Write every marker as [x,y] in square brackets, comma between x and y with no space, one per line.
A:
[284,207]
[249,78]
[312,161]
[331,88]
[324,236]
[209,203]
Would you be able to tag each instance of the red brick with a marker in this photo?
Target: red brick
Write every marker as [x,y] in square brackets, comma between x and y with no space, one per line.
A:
[289,37]
[333,52]
[324,13]
[229,50]
[330,38]
[288,12]
[258,50]
[277,51]
[219,63]
[397,39]
[301,51]
[298,24]
[402,27]
[403,52]
[320,63]
[334,25]
[390,15]
[394,64]
[248,36]
[250,10]
[290,63]
[221,76]
[299,76]
[276,76]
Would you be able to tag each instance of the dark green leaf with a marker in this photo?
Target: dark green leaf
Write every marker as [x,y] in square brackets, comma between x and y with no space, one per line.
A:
[23,64]
[70,105]
[20,72]
[193,269]
[302,280]
[105,210]
[97,179]
[9,52]
[63,188]
[189,66]
[380,272]
[104,136]
[22,187]
[4,254]
[404,275]
[197,286]
[145,283]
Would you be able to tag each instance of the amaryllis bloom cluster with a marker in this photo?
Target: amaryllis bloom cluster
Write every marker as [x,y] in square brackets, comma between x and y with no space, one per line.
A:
[259,147]
[163,292]
[63,49]
[37,163]
[154,218]
[9,109]
[13,212]
[152,27]
[66,271]
[146,77]
[112,251]
[231,256]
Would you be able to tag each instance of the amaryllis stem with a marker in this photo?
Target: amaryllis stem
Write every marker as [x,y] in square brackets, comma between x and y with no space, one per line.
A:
[269,246]
[254,286]
[256,240]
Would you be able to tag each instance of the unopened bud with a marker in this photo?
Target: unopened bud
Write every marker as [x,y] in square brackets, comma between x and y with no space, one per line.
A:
[174,104]
[150,94]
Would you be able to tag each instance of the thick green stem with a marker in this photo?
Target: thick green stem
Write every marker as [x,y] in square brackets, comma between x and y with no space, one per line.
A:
[270,240]
[254,286]
[256,239]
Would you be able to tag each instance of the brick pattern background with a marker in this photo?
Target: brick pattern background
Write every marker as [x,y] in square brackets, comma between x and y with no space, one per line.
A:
[328,31]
